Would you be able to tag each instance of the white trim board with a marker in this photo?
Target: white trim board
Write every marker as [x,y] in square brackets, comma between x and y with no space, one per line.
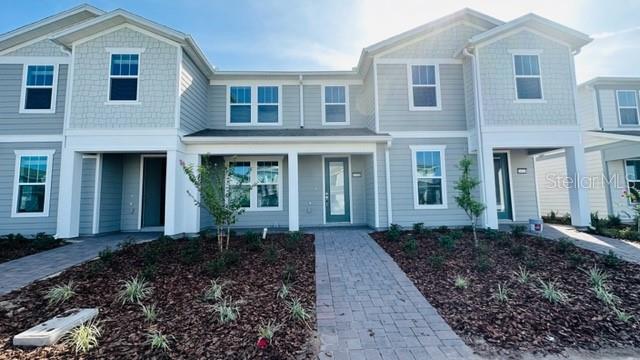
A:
[347,108]
[53,86]
[30,138]
[441,149]
[47,184]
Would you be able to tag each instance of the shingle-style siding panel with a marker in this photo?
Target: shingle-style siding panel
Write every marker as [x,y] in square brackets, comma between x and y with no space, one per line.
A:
[498,84]
[111,193]
[402,193]
[523,186]
[87,194]
[443,44]
[394,101]
[130,192]
[587,108]
[40,48]
[609,105]
[14,123]
[156,85]
[193,96]
[26,225]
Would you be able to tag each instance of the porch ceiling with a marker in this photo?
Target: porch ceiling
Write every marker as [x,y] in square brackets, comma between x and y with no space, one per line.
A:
[286,135]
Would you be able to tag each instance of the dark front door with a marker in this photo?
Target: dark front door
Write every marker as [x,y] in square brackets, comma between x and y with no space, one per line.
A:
[154,170]
[336,190]
[503,185]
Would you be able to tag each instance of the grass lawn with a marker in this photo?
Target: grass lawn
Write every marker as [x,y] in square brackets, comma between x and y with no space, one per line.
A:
[15,246]
[195,318]
[518,294]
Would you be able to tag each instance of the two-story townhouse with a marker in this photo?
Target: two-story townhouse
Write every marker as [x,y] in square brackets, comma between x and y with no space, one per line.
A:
[609,117]
[375,145]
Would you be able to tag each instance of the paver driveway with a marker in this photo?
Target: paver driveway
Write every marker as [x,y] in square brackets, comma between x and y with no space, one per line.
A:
[23,271]
[367,308]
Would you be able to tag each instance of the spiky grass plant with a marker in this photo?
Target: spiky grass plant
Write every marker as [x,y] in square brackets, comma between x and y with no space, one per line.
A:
[134,290]
[213,291]
[283,292]
[606,296]
[298,312]
[552,293]
[597,277]
[502,293]
[227,311]
[622,316]
[150,312]
[158,341]
[84,337]
[523,276]
[60,293]
[461,282]
[267,330]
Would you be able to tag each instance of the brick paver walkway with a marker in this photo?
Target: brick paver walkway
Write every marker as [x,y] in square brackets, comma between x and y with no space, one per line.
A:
[367,308]
[23,271]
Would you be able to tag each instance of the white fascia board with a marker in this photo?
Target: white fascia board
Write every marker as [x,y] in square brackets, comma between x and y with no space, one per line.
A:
[283,139]
[616,136]
[279,148]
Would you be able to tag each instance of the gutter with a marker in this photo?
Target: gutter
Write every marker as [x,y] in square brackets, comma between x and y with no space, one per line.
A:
[283,139]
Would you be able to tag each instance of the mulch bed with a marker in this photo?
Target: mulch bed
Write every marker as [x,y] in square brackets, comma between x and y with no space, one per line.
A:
[15,246]
[527,322]
[179,282]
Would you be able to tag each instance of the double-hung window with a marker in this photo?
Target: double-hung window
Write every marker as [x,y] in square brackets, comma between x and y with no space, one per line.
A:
[38,95]
[627,107]
[335,108]
[424,92]
[527,77]
[256,184]
[633,174]
[254,105]
[429,181]
[32,183]
[123,77]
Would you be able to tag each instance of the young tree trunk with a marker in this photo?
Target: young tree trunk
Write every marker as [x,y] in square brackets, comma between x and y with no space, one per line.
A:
[228,236]
[475,235]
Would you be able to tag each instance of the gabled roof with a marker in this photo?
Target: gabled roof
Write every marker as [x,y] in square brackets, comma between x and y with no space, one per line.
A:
[48,25]
[612,80]
[631,135]
[119,17]
[573,38]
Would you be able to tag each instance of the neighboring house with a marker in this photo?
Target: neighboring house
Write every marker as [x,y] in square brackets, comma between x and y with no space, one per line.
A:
[99,109]
[609,117]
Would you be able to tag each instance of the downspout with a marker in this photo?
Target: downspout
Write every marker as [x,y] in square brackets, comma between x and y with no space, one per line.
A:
[478,115]
[301,92]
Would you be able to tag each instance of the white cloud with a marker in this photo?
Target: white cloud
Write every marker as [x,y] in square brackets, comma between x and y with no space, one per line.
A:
[610,54]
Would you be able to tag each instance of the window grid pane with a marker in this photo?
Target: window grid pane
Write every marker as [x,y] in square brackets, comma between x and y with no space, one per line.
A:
[33,169]
[627,98]
[423,74]
[334,95]
[429,178]
[124,64]
[240,95]
[267,94]
[40,75]
[527,65]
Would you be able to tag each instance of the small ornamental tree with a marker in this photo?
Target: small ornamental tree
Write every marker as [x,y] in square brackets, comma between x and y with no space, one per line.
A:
[633,196]
[464,199]
[217,195]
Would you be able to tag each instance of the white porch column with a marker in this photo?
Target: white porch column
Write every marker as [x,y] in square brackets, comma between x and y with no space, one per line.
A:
[68,225]
[182,216]
[294,214]
[578,198]
[488,187]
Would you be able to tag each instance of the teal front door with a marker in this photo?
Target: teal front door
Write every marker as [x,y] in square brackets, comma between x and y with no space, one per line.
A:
[153,190]
[336,190]
[503,185]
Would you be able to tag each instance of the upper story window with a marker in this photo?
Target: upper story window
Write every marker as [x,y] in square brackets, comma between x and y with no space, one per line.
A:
[256,184]
[123,77]
[633,174]
[32,185]
[38,90]
[254,105]
[429,182]
[527,75]
[335,105]
[424,87]
[627,107]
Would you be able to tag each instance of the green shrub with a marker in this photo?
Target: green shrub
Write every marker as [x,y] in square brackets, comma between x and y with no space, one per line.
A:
[613,221]
[151,254]
[553,218]
[134,290]
[230,257]
[576,259]
[504,242]
[622,316]
[461,282]
[410,247]
[394,232]
[191,253]
[597,277]
[519,251]
[84,337]
[149,271]
[271,254]
[443,228]
[293,240]
[60,293]
[418,228]
[216,266]
[518,231]
[289,274]
[564,245]
[253,240]
[611,260]
[482,263]
[436,261]
[467,228]
[106,256]
[456,234]
[43,241]
[492,234]
[127,243]
[447,243]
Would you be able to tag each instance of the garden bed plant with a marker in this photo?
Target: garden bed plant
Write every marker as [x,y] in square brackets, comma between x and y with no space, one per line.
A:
[14,246]
[178,299]
[515,293]
[612,226]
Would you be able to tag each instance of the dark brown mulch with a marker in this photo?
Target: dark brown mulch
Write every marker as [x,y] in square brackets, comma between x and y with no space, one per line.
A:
[527,322]
[178,290]
[14,246]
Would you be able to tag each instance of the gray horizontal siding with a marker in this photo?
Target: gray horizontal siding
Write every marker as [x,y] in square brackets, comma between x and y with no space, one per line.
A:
[87,193]
[14,123]
[193,96]
[311,191]
[26,225]
[523,186]
[217,107]
[394,101]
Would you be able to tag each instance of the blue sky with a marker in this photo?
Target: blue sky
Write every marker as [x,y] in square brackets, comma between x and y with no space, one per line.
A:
[329,34]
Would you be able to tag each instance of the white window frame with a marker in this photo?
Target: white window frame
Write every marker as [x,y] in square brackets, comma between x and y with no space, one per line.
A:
[410,86]
[47,184]
[124,51]
[537,53]
[23,91]
[253,180]
[347,111]
[414,174]
[635,93]
[626,176]
[254,104]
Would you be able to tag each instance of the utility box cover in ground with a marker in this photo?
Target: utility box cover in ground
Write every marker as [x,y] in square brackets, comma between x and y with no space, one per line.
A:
[52,330]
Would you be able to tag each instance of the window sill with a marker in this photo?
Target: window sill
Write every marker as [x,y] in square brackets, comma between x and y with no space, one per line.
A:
[530,101]
[262,209]
[253,124]
[425,108]
[122,102]
[430,207]
[29,215]
[37,111]
[335,123]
